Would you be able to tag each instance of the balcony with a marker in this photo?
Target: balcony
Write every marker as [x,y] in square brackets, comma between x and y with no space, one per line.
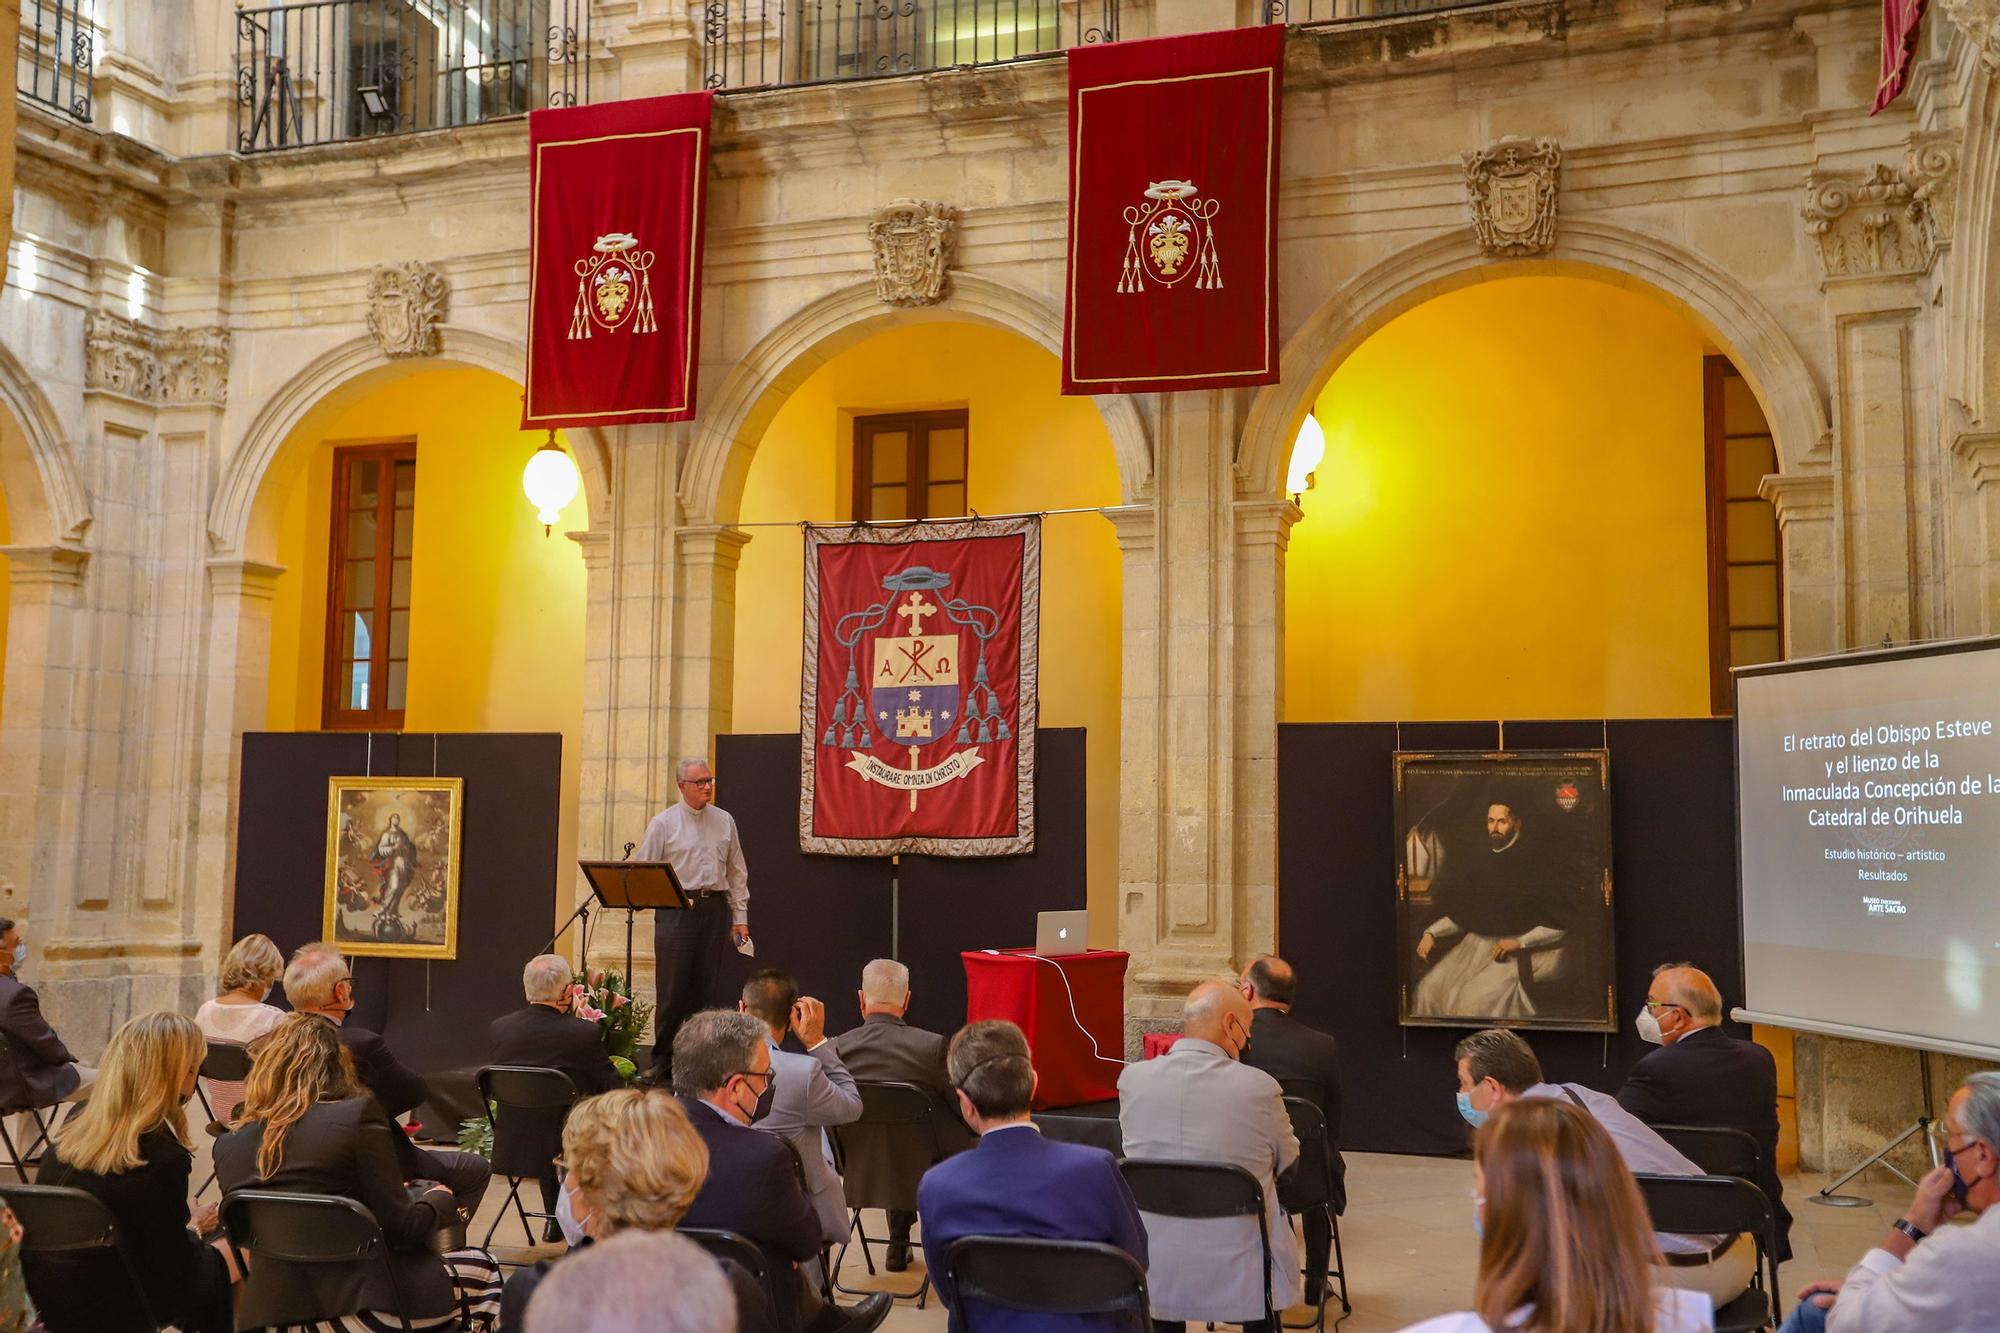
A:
[54,61]
[1299,13]
[329,71]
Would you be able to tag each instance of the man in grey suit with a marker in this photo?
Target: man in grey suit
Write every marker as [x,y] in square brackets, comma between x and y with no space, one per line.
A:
[813,1090]
[886,1049]
[1199,1103]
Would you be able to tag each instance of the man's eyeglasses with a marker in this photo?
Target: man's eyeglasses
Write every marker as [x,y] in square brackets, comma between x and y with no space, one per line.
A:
[770,1076]
[1662,1004]
[697,782]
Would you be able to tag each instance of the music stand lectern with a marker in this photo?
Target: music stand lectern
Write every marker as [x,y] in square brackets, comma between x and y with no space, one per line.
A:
[634,886]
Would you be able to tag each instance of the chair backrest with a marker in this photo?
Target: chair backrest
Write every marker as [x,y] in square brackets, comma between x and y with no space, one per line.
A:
[772,1279]
[528,1105]
[300,1228]
[1715,1205]
[885,1153]
[75,1263]
[1201,1190]
[226,1061]
[1716,1150]
[1310,1185]
[1074,1277]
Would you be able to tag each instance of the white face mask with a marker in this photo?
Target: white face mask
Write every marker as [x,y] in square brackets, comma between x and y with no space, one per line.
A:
[1649,1027]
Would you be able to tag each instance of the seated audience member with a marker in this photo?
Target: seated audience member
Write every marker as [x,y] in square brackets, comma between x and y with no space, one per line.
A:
[129,1146]
[1017,1183]
[39,1071]
[635,1164]
[649,1280]
[814,1090]
[238,1015]
[885,1049]
[1924,1276]
[319,981]
[724,1077]
[1303,1061]
[1564,1245]
[1198,1103]
[307,1127]
[1703,1076]
[17,1309]
[544,1034]
[1496,1067]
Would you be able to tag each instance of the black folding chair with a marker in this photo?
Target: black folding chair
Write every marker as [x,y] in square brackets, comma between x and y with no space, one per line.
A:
[740,1249]
[75,1262]
[884,1155]
[1073,1277]
[1201,1190]
[1308,1190]
[308,1229]
[528,1105]
[44,1120]
[225,1062]
[1722,1205]
[1717,1151]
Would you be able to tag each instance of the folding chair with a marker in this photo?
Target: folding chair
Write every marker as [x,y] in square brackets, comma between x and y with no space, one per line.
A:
[44,1119]
[225,1062]
[307,1229]
[1716,1150]
[884,1155]
[1722,1205]
[1201,1190]
[1309,1189]
[741,1250]
[75,1263]
[528,1105]
[1071,1277]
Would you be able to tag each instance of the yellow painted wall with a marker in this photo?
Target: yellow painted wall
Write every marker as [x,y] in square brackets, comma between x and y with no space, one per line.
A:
[1030,449]
[496,607]
[1510,519]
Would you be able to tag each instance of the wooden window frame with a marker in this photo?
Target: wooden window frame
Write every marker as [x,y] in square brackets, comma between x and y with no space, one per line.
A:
[334,716]
[917,427]
[1716,371]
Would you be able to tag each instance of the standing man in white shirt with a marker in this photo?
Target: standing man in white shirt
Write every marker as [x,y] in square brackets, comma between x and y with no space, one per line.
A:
[691,948]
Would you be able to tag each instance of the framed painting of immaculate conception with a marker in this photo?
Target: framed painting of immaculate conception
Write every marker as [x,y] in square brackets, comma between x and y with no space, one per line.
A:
[1503,890]
[392,866]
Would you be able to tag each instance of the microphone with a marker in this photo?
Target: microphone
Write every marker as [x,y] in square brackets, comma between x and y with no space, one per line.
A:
[628,849]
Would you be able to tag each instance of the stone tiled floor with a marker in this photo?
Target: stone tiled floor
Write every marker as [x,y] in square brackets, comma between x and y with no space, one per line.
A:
[1408,1237]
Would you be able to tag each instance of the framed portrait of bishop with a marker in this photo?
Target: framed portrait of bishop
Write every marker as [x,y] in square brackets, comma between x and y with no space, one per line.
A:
[392,848]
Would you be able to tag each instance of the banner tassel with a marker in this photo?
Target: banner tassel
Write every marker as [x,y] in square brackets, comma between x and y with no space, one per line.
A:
[579,320]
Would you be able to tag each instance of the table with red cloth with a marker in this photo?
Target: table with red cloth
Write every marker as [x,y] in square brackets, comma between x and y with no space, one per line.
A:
[1156,1044]
[1071,1008]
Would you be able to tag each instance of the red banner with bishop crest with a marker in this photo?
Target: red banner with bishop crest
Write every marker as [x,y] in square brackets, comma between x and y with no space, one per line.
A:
[1902,21]
[1173,213]
[917,700]
[616,194]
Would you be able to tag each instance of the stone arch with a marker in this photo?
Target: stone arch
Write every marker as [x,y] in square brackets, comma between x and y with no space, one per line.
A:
[346,372]
[742,406]
[1716,303]
[46,500]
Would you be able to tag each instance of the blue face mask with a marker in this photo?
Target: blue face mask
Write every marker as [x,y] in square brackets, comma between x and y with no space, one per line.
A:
[1478,1217]
[1473,1115]
[20,954]
[1959,1185]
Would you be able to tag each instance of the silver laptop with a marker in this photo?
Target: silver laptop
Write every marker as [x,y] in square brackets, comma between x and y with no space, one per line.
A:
[1061,932]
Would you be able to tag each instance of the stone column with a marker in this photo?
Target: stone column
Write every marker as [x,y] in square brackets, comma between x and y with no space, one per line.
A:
[1978,456]
[704,659]
[1263,531]
[597,837]
[1809,538]
[237,690]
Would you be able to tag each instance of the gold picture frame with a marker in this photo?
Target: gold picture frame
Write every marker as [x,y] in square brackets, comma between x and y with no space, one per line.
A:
[384,841]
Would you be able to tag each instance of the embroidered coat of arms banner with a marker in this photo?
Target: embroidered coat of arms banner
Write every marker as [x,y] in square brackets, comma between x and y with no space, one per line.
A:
[917,707]
[1173,157]
[1901,20]
[617,194]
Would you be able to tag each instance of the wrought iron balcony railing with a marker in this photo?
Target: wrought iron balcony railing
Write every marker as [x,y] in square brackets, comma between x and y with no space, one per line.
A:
[760,43]
[57,52]
[1299,12]
[322,71]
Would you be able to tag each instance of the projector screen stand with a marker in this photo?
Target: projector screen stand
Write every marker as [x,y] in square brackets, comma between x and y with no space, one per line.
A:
[1880,1157]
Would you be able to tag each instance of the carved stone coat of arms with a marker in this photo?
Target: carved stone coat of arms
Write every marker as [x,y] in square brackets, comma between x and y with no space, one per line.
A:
[912,243]
[405,307]
[1512,189]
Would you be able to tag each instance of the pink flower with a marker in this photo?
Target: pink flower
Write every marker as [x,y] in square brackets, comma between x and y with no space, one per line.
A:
[576,990]
[589,1014]
[597,978]
[619,1002]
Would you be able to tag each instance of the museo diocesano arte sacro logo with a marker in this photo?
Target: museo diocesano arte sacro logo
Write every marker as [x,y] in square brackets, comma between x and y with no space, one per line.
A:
[614,286]
[916,695]
[1170,236]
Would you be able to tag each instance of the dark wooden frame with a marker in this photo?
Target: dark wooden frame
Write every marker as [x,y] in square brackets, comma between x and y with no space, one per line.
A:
[1716,371]
[333,715]
[917,426]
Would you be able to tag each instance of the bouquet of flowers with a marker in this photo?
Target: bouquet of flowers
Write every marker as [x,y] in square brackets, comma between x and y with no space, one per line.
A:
[604,997]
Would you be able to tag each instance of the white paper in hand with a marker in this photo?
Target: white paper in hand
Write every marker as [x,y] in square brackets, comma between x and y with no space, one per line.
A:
[747,947]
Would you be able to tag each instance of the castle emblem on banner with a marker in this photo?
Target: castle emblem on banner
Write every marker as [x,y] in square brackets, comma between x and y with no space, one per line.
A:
[916,694]
[614,287]
[1170,236]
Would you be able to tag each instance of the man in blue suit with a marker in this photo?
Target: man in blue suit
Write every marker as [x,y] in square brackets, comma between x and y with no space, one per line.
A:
[1016,1183]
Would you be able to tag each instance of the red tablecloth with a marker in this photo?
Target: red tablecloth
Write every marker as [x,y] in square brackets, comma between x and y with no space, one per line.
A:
[1072,1008]
[1158,1043]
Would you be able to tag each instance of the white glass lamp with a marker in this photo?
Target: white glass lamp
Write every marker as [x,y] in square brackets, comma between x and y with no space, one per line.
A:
[1308,452]
[550,479]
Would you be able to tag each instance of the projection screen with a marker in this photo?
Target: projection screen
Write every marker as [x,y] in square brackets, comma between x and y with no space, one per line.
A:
[1868,823]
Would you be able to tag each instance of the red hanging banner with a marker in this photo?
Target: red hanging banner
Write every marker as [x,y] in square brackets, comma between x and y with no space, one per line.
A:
[1173,213]
[614,297]
[917,706]
[1901,20]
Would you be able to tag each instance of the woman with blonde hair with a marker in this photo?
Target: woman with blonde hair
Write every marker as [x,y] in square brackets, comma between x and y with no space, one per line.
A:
[1565,1243]
[634,1163]
[129,1146]
[307,1127]
[238,1015]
